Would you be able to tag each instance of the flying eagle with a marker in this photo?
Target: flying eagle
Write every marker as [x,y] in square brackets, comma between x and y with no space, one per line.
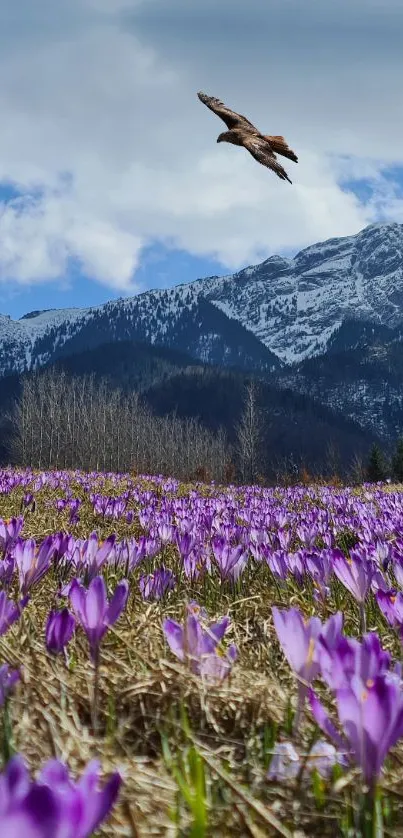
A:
[261,146]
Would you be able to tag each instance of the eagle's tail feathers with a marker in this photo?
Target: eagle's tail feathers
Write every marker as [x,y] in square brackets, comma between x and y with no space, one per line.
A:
[280,146]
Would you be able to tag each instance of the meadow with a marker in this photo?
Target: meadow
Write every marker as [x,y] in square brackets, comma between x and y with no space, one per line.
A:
[229,655]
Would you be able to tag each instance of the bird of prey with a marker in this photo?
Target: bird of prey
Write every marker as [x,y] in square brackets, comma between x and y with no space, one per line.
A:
[241,132]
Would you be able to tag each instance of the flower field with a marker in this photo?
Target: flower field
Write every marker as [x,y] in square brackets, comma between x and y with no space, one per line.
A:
[192,660]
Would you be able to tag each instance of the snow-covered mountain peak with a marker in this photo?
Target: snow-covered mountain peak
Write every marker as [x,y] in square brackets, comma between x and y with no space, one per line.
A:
[292,306]
[307,298]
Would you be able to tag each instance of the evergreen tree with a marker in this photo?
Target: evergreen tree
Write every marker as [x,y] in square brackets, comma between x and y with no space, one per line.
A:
[376,466]
[397,461]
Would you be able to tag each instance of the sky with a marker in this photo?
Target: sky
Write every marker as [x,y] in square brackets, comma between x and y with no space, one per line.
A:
[111,180]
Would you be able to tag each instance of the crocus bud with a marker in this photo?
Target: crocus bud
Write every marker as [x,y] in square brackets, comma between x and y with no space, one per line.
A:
[60,626]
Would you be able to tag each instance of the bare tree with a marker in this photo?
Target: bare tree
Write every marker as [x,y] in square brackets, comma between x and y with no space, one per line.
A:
[332,459]
[357,471]
[250,435]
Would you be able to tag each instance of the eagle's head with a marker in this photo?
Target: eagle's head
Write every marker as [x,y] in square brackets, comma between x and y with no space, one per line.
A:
[229,137]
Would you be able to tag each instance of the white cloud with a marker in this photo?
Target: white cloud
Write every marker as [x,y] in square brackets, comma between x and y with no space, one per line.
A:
[106,252]
[38,236]
[105,91]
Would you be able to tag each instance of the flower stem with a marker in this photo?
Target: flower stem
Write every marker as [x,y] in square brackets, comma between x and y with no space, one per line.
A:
[371,815]
[300,708]
[95,694]
[8,749]
[363,619]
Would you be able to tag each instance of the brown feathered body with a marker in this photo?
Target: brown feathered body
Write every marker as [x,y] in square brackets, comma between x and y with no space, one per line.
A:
[263,147]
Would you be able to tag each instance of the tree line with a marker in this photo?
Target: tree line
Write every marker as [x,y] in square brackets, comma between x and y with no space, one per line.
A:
[64,421]
[69,422]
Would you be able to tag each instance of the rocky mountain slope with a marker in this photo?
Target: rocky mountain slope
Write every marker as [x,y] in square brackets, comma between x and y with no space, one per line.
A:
[360,376]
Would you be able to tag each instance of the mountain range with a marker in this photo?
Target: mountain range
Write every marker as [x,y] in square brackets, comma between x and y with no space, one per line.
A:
[326,324]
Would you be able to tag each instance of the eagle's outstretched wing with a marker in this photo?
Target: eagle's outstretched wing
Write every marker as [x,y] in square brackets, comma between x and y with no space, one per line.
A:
[260,149]
[231,119]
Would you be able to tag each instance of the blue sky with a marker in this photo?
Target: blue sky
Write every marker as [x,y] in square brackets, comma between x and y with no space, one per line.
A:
[111,180]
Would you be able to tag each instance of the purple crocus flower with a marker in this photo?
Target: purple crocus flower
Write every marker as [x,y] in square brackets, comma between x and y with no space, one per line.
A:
[391,605]
[197,562]
[74,516]
[33,812]
[323,757]
[53,806]
[136,551]
[299,639]
[93,610]
[32,561]
[196,644]
[95,553]
[83,806]
[347,658]
[185,543]
[215,667]
[8,678]
[383,554]
[9,532]
[62,542]
[398,570]
[59,630]
[319,564]
[152,546]
[371,717]
[230,560]
[165,532]
[355,573]
[296,566]
[379,583]
[284,538]
[28,499]
[307,534]
[276,560]
[7,568]
[287,763]
[9,611]
[156,585]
